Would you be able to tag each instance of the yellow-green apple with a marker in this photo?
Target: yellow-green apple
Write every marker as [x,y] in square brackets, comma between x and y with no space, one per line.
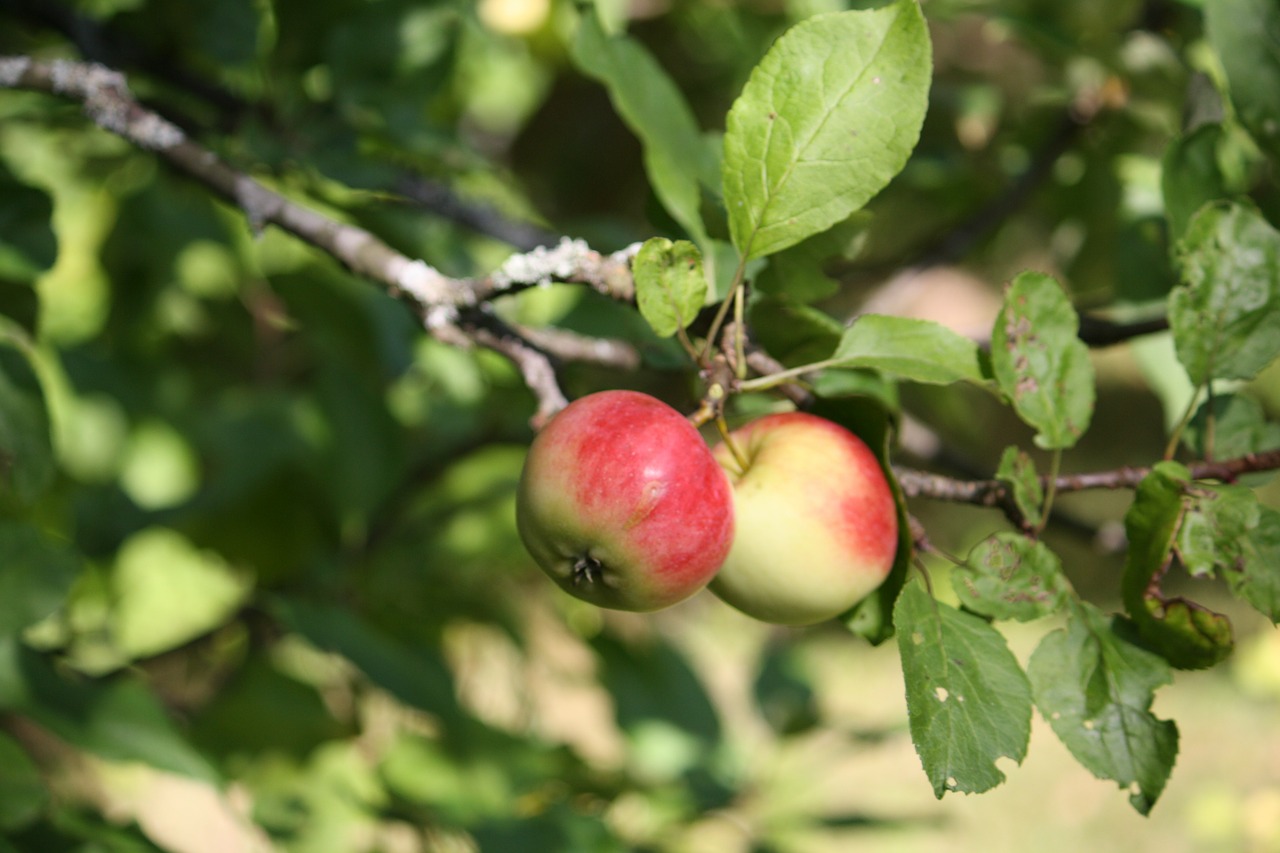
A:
[622,504]
[817,528]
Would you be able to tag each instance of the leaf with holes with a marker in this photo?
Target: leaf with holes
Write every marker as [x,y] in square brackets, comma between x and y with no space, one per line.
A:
[1095,688]
[1039,362]
[968,701]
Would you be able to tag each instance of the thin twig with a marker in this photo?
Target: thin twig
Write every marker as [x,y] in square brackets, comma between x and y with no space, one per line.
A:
[992,493]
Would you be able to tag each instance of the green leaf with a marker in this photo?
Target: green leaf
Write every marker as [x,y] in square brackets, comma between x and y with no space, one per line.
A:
[1215,521]
[26,449]
[1256,579]
[1095,689]
[826,119]
[22,791]
[1017,471]
[1040,363]
[793,333]
[1225,316]
[918,350]
[1229,426]
[1008,576]
[28,245]
[1226,530]
[671,287]
[117,719]
[415,676]
[1187,634]
[1190,176]
[652,106]
[783,692]
[1246,36]
[36,574]
[797,272]
[968,701]
[168,592]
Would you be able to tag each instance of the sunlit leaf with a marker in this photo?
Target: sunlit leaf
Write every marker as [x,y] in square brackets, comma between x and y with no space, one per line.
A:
[918,350]
[968,700]
[168,592]
[827,118]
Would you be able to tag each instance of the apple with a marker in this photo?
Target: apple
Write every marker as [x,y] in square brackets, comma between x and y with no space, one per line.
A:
[817,527]
[622,504]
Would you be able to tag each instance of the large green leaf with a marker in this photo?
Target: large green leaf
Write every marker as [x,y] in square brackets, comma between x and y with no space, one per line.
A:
[827,118]
[1226,315]
[968,701]
[651,105]
[1246,36]
[36,573]
[1095,688]
[918,350]
[1040,363]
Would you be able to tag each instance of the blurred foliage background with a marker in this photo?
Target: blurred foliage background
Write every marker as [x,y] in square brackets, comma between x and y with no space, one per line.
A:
[260,587]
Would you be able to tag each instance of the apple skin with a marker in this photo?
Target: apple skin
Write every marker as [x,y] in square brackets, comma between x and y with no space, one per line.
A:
[622,504]
[817,526]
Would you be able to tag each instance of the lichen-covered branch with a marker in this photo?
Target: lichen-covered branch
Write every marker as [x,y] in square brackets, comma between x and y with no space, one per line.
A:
[438,300]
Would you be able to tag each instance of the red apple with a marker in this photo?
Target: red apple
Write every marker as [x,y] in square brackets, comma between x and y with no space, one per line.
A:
[817,528]
[622,504]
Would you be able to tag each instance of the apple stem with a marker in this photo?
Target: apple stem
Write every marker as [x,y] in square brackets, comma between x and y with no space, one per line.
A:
[738,458]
